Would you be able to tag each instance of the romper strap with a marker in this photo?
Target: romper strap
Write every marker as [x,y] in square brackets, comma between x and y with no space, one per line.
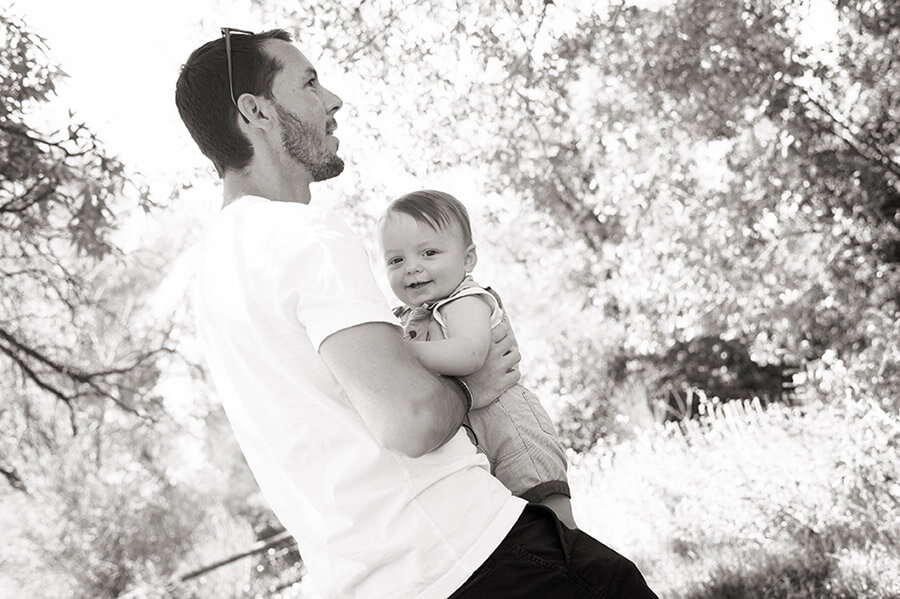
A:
[490,298]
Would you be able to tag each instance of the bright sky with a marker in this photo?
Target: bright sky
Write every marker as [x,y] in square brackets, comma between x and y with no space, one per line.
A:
[122,58]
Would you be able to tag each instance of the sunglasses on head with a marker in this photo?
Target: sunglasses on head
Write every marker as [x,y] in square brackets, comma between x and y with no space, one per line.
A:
[227,32]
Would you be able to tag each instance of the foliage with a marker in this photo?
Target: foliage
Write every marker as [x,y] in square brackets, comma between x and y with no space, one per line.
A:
[129,508]
[657,187]
[119,484]
[708,169]
[91,505]
[87,530]
[72,326]
[753,502]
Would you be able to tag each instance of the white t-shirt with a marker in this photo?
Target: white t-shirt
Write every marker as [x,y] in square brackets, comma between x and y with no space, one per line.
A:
[275,280]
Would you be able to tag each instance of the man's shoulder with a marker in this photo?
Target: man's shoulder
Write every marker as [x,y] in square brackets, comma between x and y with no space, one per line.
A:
[259,208]
[269,222]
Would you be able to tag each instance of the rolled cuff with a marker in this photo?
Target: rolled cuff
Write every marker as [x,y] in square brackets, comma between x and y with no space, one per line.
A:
[544,490]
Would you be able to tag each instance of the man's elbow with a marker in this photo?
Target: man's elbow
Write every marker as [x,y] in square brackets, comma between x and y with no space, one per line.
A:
[411,448]
[421,434]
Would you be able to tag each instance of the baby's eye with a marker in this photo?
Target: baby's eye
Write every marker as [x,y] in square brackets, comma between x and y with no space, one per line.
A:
[394,261]
[430,253]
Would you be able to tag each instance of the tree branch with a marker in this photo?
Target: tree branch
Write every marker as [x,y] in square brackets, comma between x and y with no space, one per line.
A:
[257,547]
[37,379]
[565,196]
[24,200]
[880,155]
[93,379]
[12,477]
[20,132]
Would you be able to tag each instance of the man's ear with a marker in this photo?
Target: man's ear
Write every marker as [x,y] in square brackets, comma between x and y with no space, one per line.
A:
[471,258]
[254,111]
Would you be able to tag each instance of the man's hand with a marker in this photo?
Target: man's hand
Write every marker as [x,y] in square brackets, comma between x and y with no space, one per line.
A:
[500,370]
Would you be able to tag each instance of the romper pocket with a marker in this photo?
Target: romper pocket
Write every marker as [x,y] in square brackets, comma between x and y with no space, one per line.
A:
[537,410]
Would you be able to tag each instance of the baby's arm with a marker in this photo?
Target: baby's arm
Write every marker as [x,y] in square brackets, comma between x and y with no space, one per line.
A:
[468,322]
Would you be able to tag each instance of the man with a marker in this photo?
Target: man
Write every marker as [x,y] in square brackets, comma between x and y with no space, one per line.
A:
[357,448]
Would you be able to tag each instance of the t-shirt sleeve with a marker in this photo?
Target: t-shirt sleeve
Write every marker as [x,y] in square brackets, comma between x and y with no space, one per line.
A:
[328,282]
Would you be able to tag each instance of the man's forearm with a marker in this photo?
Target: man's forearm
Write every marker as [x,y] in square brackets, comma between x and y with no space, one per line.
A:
[450,411]
[407,408]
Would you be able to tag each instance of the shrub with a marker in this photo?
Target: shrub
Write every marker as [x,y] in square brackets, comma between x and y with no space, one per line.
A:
[753,502]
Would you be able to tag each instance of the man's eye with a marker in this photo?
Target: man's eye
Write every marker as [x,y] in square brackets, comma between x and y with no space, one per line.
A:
[312,82]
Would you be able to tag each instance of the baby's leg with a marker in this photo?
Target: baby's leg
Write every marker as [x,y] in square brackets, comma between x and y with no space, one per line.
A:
[562,506]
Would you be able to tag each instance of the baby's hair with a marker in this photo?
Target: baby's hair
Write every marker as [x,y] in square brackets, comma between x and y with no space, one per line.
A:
[434,208]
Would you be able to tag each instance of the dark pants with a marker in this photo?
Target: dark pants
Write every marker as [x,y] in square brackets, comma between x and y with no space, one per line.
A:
[541,558]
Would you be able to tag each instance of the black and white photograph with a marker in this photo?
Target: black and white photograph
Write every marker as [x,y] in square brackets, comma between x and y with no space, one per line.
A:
[246,245]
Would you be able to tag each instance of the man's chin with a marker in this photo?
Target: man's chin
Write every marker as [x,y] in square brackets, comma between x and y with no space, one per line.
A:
[330,169]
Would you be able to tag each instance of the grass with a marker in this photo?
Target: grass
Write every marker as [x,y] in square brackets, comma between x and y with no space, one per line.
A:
[745,503]
[754,503]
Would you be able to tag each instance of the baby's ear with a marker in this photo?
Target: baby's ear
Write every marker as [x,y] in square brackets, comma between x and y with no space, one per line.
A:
[471,258]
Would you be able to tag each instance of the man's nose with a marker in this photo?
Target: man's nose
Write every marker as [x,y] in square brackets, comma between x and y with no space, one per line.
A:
[333,101]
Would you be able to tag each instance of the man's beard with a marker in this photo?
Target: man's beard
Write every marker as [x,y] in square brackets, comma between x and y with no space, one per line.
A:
[306,146]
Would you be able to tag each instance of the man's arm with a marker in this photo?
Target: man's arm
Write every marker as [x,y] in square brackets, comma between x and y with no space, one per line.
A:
[407,408]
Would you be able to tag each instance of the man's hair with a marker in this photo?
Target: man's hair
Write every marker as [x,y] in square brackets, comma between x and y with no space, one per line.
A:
[434,208]
[203,97]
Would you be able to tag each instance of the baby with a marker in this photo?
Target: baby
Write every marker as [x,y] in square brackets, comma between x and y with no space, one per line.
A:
[426,240]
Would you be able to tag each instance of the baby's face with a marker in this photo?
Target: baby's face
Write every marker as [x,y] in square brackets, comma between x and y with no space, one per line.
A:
[423,264]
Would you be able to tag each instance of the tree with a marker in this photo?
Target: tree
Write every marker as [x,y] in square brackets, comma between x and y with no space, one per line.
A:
[708,169]
[90,507]
[108,492]
[71,329]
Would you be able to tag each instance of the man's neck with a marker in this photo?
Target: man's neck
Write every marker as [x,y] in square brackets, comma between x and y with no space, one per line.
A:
[278,185]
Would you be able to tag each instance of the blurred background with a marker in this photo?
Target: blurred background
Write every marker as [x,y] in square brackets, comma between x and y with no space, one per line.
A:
[691,209]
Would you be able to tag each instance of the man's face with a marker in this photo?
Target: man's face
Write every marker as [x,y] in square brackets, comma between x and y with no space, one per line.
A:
[305,112]
[308,146]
